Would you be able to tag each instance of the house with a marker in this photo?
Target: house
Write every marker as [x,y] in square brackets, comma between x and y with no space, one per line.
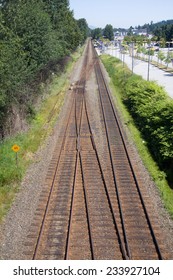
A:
[140,32]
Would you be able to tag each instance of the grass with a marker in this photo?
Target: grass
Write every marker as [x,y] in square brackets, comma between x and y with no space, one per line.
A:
[12,171]
[158,176]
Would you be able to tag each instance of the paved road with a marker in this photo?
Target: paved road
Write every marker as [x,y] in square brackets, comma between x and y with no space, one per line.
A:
[141,68]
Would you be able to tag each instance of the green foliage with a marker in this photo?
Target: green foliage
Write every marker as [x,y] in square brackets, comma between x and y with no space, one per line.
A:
[96,33]
[64,24]
[152,112]
[34,35]
[169,57]
[12,68]
[161,30]
[84,29]
[138,39]
[164,31]
[32,25]
[109,32]
[161,56]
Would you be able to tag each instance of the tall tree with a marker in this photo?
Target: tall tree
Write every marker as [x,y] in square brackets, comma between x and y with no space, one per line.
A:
[29,21]
[33,35]
[108,32]
[84,29]
[64,24]
[13,70]
[96,33]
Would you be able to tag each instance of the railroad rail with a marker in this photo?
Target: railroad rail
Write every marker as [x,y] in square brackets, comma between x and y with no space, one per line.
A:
[126,183]
[92,206]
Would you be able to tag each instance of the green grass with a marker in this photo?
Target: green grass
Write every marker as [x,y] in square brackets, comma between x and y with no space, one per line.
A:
[12,171]
[158,176]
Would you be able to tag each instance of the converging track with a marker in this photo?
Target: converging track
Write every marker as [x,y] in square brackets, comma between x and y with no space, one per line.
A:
[92,204]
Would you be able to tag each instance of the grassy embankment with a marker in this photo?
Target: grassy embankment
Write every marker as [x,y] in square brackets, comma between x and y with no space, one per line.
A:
[40,128]
[147,111]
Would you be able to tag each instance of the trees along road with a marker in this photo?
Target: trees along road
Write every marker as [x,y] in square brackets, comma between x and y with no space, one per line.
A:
[162,78]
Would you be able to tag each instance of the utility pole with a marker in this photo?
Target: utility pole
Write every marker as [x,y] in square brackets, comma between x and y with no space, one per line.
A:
[123,58]
[168,54]
[132,56]
[148,74]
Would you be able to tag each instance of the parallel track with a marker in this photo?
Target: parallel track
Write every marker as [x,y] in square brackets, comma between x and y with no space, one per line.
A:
[126,184]
[87,211]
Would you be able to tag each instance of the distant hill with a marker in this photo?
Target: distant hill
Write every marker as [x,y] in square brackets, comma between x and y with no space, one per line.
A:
[162,29]
[152,26]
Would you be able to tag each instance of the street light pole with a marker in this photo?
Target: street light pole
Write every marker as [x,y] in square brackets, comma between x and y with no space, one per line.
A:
[148,74]
[168,54]
[132,56]
[123,58]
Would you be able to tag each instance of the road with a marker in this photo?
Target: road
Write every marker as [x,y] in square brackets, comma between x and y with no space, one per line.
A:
[162,78]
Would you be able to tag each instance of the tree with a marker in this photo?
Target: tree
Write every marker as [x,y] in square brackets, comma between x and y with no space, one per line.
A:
[163,30]
[34,36]
[84,29]
[29,21]
[108,32]
[161,56]
[96,33]
[64,24]
[55,7]
[169,58]
[130,31]
[13,70]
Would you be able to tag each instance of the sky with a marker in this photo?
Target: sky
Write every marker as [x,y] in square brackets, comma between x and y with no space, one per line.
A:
[122,13]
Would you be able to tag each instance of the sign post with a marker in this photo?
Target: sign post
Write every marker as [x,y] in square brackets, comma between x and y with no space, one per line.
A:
[15,149]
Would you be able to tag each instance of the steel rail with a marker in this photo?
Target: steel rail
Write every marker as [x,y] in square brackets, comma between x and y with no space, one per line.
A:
[52,186]
[84,183]
[123,251]
[113,171]
[87,210]
[73,190]
[131,167]
[134,176]
[83,179]
[79,161]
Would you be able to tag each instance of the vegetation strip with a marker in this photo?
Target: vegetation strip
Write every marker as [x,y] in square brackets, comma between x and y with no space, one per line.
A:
[35,38]
[40,128]
[146,106]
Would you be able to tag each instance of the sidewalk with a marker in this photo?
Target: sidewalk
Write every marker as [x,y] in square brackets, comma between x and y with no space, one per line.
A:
[162,78]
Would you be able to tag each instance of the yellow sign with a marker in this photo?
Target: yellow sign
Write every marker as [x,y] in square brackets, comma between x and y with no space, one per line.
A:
[15,148]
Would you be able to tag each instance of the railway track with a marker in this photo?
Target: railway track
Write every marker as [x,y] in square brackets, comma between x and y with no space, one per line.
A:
[92,206]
